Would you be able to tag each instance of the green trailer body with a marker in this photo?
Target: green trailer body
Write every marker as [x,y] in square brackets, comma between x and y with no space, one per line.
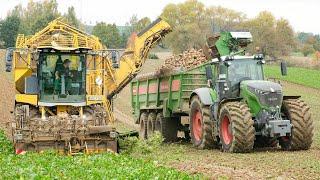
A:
[168,93]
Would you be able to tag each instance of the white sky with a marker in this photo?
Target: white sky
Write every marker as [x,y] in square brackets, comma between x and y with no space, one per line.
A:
[302,14]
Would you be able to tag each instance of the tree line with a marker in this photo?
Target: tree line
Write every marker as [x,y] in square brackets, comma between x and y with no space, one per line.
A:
[37,14]
[191,20]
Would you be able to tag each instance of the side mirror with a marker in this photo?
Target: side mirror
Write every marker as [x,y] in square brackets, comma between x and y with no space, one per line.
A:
[283,68]
[9,59]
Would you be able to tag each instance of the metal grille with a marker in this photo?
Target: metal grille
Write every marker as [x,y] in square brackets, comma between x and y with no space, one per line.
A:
[272,99]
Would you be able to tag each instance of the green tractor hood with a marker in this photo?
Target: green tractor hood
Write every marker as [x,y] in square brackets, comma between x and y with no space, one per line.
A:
[260,94]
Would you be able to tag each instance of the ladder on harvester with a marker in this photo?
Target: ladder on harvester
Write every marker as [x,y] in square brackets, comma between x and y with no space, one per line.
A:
[108,108]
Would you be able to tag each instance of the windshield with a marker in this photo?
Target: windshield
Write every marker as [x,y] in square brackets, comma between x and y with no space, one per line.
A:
[246,69]
[62,77]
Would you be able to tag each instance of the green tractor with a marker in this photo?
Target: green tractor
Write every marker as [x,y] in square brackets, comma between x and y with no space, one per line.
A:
[246,110]
[227,99]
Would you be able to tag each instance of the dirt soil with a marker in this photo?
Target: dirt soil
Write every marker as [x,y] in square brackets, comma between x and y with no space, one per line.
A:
[6,94]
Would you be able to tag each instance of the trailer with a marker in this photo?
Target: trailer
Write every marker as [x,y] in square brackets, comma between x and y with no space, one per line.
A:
[164,99]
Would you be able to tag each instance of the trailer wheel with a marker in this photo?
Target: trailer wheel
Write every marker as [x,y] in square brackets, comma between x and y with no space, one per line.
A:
[201,126]
[143,125]
[299,114]
[167,127]
[237,133]
[151,124]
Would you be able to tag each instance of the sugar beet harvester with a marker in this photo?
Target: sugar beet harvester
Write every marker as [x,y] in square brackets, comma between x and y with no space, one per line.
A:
[228,101]
[65,80]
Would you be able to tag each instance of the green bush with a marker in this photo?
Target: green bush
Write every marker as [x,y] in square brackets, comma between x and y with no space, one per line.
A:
[133,144]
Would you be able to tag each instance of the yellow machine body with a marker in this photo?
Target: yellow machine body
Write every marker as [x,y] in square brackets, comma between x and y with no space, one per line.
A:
[107,71]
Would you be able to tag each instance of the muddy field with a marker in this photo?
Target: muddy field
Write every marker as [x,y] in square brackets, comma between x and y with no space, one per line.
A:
[261,164]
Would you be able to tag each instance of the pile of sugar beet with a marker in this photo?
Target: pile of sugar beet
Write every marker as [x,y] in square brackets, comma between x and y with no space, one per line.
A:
[175,63]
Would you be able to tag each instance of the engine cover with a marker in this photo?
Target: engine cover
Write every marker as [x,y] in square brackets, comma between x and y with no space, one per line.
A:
[269,93]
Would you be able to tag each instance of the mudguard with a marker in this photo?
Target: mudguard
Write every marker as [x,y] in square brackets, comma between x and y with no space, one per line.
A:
[203,94]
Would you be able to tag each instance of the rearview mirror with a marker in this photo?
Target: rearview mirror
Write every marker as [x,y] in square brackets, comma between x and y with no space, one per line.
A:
[283,68]
[9,58]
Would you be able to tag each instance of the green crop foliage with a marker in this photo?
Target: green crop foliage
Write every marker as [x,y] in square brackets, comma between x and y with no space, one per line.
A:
[302,76]
[5,145]
[50,165]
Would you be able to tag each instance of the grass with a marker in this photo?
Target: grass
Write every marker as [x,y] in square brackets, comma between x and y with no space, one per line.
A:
[302,76]
[49,165]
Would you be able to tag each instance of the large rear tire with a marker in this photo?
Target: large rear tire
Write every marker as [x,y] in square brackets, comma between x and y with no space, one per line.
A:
[168,127]
[299,114]
[143,125]
[237,133]
[201,126]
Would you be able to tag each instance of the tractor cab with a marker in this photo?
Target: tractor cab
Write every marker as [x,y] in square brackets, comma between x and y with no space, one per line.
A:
[61,76]
[242,69]
[241,78]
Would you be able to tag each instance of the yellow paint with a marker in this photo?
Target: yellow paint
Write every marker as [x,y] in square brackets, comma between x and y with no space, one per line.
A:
[61,109]
[43,113]
[102,80]
[23,72]
[28,99]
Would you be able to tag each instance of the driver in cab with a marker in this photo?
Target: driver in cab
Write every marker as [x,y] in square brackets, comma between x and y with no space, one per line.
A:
[63,71]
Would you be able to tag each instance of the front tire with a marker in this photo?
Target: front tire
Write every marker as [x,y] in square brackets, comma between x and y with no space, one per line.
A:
[237,133]
[299,114]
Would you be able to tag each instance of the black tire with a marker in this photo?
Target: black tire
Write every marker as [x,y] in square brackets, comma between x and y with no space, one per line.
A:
[201,126]
[168,127]
[151,124]
[236,133]
[143,125]
[298,112]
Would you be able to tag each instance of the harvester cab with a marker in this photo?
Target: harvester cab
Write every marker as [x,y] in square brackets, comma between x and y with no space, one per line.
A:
[62,77]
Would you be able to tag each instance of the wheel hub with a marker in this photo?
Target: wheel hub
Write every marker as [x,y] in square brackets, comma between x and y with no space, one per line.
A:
[226,130]
[197,125]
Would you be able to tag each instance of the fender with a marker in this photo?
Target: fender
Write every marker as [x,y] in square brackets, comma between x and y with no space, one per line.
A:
[291,97]
[204,95]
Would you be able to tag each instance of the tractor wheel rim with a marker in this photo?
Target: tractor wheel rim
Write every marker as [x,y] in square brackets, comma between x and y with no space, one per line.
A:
[226,130]
[197,125]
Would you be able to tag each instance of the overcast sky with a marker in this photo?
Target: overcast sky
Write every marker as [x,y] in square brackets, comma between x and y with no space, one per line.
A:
[302,14]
